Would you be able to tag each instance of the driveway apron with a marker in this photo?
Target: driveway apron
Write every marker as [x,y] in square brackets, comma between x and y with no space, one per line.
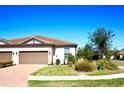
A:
[17,76]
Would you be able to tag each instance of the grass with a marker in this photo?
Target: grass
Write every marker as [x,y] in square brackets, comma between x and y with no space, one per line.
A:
[120,63]
[104,72]
[59,70]
[64,70]
[118,60]
[78,83]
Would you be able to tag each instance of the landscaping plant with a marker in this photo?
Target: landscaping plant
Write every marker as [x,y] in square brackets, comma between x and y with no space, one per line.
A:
[106,64]
[71,60]
[57,61]
[5,64]
[83,65]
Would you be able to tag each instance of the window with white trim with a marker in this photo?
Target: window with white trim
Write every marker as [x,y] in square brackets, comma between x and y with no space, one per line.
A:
[66,52]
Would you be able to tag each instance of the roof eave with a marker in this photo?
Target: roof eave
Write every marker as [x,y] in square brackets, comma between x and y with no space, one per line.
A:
[69,45]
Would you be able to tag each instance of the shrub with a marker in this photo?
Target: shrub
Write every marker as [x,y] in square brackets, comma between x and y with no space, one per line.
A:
[71,60]
[106,64]
[57,61]
[4,64]
[83,65]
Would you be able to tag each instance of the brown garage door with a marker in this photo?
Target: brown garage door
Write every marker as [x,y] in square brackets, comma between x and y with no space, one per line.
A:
[33,57]
[5,56]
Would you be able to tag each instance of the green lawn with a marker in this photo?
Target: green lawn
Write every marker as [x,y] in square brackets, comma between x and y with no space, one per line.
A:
[59,70]
[104,72]
[120,63]
[78,83]
[64,70]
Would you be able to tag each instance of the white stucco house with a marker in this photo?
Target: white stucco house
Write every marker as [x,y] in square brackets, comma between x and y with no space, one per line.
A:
[35,50]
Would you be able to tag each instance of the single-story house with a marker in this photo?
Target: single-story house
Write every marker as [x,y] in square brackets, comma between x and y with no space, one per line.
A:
[119,56]
[35,50]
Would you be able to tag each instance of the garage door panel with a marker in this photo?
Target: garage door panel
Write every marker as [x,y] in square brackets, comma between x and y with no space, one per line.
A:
[5,56]
[33,57]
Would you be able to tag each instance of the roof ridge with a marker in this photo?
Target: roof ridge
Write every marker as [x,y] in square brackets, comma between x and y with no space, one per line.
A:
[41,38]
[19,38]
[55,39]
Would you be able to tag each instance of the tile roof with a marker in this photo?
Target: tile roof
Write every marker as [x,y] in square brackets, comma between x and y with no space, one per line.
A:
[121,52]
[5,40]
[45,39]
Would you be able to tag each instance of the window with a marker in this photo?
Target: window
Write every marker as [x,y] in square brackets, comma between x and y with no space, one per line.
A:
[66,52]
[66,55]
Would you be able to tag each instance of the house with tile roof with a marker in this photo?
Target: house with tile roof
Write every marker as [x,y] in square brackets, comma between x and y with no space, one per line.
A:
[35,50]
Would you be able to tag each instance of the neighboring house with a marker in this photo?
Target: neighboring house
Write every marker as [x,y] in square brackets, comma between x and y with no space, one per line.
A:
[35,50]
[119,55]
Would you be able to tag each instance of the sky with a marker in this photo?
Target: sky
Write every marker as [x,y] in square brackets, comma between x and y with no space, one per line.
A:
[70,23]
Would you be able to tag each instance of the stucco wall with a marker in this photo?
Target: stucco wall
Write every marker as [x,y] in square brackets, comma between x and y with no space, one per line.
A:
[59,53]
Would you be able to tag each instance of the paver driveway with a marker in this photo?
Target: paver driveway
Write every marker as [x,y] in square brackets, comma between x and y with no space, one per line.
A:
[16,76]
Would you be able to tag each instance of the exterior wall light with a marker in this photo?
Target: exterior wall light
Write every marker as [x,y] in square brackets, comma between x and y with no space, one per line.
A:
[13,53]
[16,53]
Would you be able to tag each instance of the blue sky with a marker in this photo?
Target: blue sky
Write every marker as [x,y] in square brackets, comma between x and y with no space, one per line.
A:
[71,23]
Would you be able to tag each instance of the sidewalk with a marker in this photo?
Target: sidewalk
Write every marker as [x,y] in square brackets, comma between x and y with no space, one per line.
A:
[114,76]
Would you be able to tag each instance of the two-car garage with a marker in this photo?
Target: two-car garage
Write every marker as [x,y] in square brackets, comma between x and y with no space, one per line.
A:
[26,57]
[33,57]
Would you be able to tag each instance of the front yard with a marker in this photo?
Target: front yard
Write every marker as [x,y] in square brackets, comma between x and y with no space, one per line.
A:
[78,83]
[60,70]
[65,70]
[120,63]
[104,72]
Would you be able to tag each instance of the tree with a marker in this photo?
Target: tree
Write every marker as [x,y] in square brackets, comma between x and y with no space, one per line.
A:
[114,53]
[102,40]
[88,52]
[79,53]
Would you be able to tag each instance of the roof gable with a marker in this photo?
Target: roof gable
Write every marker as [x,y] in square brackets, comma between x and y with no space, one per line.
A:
[4,41]
[33,41]
[41,40]
[32,38]
[55,41]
